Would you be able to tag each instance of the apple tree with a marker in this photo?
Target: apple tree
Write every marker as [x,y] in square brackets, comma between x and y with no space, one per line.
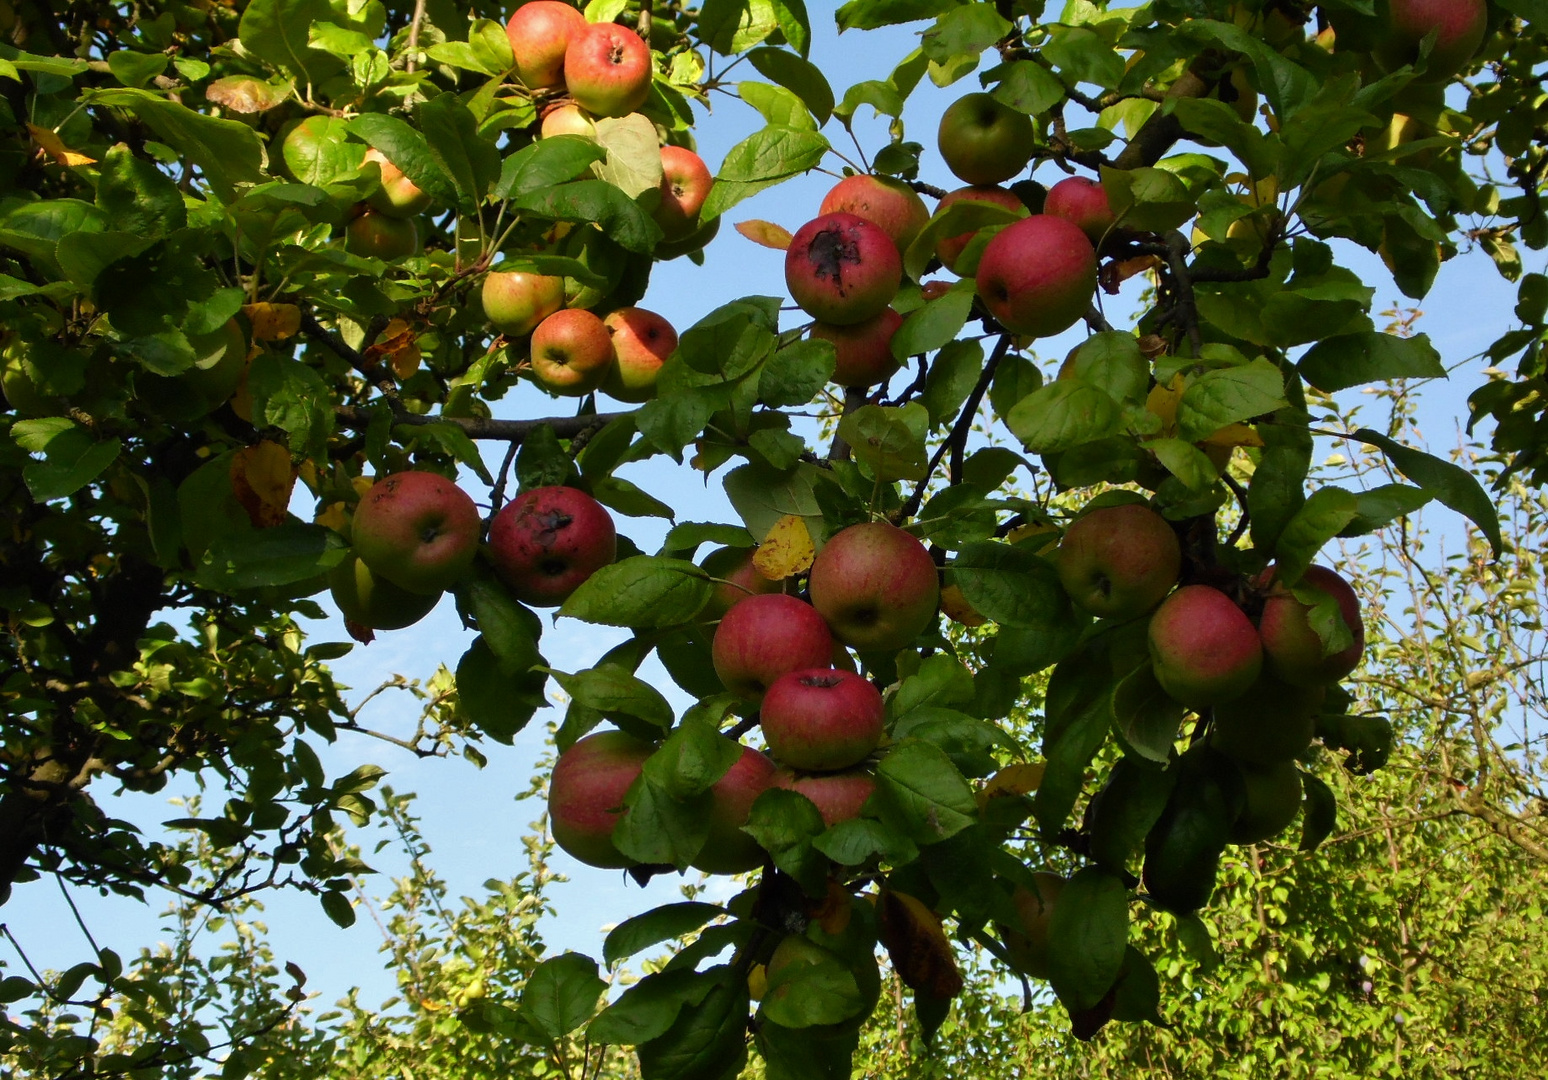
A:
[320,242]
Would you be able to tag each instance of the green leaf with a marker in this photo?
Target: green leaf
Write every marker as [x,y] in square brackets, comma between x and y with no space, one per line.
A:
[1453,485]
[1010,585]
[706,1042]
[498,700]
[648,1008]
[643,592]
[921,793]
[510,630]
[888,441]
[1080,54]
[778,106]
[72,458]
[807,992]
[1027,86]
[617,693]
[966,31]
[561,994]
[1185,461]
[658,828]
[785,823]
[1381,506]
[762,495]
[554,160]
[1064,414]
[406,148]
[870,14]
[1088,936]
[694,757]
[960,218]
[289,552]
[1322,517]
[279,31]
[227,152]
[953,374]
[1319,813]
[1338,363]
[471,161]
[291,395]
[136,68]
[1113,361]
[595,201]
[935,324]
[796,373]
[1152,200]
[655,926]
[760,161]
[338,908]
[801,77]
[1145,717]
[1227,396]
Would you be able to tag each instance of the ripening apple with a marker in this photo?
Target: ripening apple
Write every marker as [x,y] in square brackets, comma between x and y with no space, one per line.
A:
[571,353]
[398,196]
[548,540]
[862,351]
[950,248]
[1027,942]
[1459,26]
[567,119]
[374,235]
[1083,203]
[876,586]
[838,796]
[983,140]
[685,184]
[1205,650]
[727,849]
[516,301]
[822,719]
[540,31]
[371,601]
[607,69]
[1272,799]
[586,794]
[763,637]
[1271,721]
[642,341]
[739,579]
[418,530]
[885,201]
[220,364]
[1118,562]
[1290,645]
[1038,275]
[842,269]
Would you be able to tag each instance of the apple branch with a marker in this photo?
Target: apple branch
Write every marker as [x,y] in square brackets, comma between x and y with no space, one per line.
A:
[956,439]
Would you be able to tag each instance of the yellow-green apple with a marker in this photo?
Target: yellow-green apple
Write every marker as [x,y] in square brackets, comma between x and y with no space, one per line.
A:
[739,579]
[607,69]
[1291,645]
[1027,942]
[516,301]
[1205,650]
[876,585]
[842,269]
[1272,721]
[642,341]
[822,719]
[1118,562]
[567,119]
[374,602]
[571,352]
[727,849]
[375,235]
[685,184]
[838,796]
[398,196]
[1037,275]
[418,530]
[540,31]
[950,248]
[220,363]
[1458,25]
[886,202]
[548,540]
[763,637]
[586,795]
[1083,203]
[1272,799]
[863,350]
[984,141]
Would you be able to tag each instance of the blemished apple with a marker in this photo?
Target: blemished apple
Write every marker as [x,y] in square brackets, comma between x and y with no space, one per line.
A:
[1038,275]
[863,350]
[642,341]
[763,637]
[548,540]
[418,530]
[950,248]
[685,184]
[586,794]
[984,141]
[374,235]
[838,796]
[540,31]
[398,196]
[739,579]
[876,586]
[516,301]
[1271,721]
[567,119]
[842,269]
[822,719]
[885,201]
[1290,645]
[607,69]
[1083,203]
[1027,943]
[1118,562]
[727,849]
[571,352]
[371,601]
[1459,26]
[1204,648]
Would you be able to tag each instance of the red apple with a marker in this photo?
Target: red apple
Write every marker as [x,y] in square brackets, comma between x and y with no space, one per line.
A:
[567,119]
[571,353]
[1038,275]
[374,602]
[1459,26]
[399,196]
[842,269]
[685,184]
[727,849]
[540,31]
[1118,562]
[876,585]
[1083,203]
[607,69]
[838,796]
[888,203]
[763,637]
[950,248]
[545,542]
[1292,647]
[1205,650]
[374,235]
[1027,943]
[642,341]
[516,301]
[984,141]
[739,579]
[863,350]
[418,530]
[586,794]
[822,719]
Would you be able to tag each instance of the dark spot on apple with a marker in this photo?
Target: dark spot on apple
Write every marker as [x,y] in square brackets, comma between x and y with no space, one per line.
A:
[546,525]
[429,534]
[825,681]
[829,252]
[999,292]
[553,567]
[865,616]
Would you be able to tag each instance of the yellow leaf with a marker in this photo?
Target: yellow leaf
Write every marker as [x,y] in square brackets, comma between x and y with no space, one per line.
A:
[766,233]
[757,982]
[957,609]
[1011,780]
[787,550]
[333,516]
[1163,403]
[262,477]
[1027,532]
[398,344]
[1235,435]
[51,145]
[273,322]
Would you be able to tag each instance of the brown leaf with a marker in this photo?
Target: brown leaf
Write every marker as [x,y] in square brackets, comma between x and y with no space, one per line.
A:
[834,911]
[398,345]
[363,634]
[1114,274]
[1153,345]
[786,550]
[273,322]
[957,609]
[766,233]
[262,478]
[245,94]
[921,953]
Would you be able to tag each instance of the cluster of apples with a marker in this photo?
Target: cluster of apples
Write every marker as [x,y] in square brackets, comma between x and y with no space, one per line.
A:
[873,588]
